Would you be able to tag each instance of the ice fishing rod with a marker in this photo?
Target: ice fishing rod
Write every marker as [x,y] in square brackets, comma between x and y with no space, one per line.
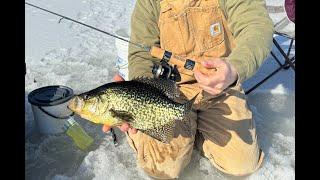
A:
[65,17]
[164,70]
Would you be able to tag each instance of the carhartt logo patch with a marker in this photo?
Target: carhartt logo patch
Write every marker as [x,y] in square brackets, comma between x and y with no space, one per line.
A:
[215,29]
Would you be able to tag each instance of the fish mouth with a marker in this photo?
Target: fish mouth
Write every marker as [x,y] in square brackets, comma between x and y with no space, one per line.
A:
[76,104]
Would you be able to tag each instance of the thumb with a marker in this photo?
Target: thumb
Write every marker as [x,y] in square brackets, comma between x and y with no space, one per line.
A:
[106,128]
[213,63]
[117,78]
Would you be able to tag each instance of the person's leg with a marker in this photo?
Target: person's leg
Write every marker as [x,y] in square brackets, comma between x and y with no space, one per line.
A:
[228,133]
[159,160]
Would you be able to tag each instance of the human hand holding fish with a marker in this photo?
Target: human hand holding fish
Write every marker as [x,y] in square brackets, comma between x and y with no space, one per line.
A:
[225,75]
[125,127]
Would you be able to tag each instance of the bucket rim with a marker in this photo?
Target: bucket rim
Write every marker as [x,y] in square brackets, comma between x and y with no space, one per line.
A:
[33,101]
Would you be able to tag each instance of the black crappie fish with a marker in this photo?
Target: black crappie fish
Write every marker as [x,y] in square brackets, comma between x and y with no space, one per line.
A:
[146,104]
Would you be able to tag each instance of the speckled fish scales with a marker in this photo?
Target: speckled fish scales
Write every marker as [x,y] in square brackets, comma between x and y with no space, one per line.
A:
[147,104]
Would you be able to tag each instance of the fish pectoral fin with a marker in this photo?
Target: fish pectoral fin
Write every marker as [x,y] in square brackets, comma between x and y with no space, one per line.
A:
[162,133]
[123,115]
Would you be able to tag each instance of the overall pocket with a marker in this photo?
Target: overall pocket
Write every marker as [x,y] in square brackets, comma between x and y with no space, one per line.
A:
[206,27]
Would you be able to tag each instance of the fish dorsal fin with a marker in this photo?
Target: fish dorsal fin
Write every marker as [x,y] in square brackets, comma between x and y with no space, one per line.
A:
[163,133]
[168,87]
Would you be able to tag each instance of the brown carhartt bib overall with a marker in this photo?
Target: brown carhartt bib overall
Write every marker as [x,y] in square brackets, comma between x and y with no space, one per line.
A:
[221,125]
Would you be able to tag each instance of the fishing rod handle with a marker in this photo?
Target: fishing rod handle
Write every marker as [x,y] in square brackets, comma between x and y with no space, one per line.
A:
[188,64]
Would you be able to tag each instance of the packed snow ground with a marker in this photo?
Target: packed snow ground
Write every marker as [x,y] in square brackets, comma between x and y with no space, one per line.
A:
[72,55]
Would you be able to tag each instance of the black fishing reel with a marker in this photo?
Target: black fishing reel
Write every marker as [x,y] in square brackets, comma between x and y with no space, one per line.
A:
[166,71]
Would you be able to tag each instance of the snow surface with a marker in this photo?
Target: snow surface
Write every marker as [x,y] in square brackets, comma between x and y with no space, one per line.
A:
[72,55]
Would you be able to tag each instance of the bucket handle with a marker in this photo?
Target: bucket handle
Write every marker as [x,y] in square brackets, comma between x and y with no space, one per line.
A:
[49,114]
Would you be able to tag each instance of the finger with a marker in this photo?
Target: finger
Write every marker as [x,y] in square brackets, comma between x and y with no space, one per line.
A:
[124,127]
[210,90]
[201,78]
[213,63]
[207,80]
[117,77]
[219,86]
[106,128]
[133,130]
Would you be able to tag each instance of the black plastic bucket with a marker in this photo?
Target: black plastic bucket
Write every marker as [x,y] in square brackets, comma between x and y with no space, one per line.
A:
[49,107]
